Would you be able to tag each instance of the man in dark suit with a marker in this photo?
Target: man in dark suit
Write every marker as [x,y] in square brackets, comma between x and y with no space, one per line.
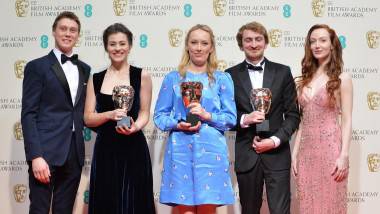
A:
[263,157]
[53,97]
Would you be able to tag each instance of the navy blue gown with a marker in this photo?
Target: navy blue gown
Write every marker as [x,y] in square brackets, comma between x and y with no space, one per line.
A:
[121,173]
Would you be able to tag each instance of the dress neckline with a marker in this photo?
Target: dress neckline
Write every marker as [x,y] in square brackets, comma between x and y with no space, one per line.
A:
[104,94]
[310,96]
[196,73]
[130,81]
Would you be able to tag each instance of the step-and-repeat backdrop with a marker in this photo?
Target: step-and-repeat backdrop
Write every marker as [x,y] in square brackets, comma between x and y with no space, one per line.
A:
[159,28]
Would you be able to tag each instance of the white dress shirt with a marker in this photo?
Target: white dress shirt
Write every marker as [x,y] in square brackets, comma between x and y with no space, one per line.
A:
[257,82]
[71,73]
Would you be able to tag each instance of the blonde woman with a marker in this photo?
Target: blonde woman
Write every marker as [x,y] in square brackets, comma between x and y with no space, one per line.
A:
[196,175]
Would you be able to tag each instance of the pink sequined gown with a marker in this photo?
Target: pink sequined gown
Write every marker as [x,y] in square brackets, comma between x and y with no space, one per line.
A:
[320,145]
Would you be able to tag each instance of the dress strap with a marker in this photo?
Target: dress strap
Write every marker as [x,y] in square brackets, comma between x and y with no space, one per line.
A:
[135,77]
[97,79]
[135,81]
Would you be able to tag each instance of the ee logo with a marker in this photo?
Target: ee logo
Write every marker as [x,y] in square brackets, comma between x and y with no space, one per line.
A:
[286,11]
[88,10]
[187,10]
[143,40]
[44,41]
[86,196]
[87,134]
[343,41]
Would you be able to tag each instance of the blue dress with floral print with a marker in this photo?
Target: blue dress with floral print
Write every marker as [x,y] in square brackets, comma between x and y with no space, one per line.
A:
[196,164]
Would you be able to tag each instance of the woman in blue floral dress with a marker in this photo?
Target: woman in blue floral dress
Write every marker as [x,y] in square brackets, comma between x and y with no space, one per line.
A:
[195,175]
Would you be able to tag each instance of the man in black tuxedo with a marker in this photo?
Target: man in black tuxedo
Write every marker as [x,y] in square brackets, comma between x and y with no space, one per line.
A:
[53,97]
[263,157]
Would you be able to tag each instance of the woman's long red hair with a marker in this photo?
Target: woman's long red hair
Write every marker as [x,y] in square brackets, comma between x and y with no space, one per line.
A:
[333,68]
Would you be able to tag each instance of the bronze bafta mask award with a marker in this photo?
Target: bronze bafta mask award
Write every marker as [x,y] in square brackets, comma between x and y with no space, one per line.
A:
[261,99]
[191,92]
[122,97]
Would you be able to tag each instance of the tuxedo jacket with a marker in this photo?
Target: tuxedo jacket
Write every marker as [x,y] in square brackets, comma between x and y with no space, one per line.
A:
[283,116]
[48,111]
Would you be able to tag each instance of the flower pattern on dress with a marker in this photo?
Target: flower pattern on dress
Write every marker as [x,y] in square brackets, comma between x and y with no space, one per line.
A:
[207,187]
[203,150]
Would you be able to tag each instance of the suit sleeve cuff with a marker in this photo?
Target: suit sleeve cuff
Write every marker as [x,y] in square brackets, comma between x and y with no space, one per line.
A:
[242,122]
[276,141]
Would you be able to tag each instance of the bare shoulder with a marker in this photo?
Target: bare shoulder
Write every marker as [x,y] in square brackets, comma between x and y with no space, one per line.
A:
[345,77]
[145,77]
[346,82]
[145,74]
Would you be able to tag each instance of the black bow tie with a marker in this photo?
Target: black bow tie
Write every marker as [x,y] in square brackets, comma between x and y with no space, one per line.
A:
[73,59]
[254,68]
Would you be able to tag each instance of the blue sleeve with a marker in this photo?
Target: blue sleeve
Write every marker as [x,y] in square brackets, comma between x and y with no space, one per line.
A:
[164,112]
[225,118]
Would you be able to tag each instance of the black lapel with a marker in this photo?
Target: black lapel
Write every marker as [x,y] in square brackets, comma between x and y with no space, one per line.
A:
[56,67]
[245,80]
[81,83]
[269,73]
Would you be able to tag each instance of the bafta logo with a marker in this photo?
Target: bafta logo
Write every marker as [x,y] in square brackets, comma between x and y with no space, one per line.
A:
[373,161]
[22,8]
[17,131]
[373,39]
[122,96]
[318,7]
[219,7]
[19,67]
[191,92]
[373,100]
[275,36]
[175,37]
[120,7]
[261,100]
[19,192]
[222,65]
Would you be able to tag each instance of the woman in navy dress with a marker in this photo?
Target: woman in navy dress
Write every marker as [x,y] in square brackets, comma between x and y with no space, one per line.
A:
[195,175]
[121,173]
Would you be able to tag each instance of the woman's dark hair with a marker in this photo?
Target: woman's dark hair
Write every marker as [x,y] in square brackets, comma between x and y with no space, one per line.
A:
[116,28]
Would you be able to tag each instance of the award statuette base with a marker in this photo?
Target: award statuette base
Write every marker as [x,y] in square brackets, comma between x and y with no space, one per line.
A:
[125,121]
[263,126]
[192,119]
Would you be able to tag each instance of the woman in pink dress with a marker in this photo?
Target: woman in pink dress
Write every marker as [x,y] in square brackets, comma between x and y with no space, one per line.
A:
[320,158]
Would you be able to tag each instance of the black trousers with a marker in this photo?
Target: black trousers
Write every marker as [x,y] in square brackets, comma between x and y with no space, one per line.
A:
[277,184]
[60,193]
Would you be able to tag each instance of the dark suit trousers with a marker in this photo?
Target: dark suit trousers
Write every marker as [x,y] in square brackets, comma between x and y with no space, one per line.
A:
[62,189]
[277,184]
